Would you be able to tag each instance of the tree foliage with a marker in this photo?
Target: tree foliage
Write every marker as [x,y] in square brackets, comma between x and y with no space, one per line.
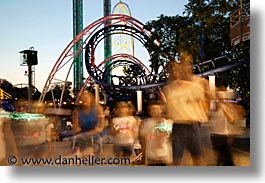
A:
[54,94]
[6,86]
[18,93]
[204,32]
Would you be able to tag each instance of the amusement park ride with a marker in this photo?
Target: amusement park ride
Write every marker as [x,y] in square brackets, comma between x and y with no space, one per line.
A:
[138,77]
[4,95]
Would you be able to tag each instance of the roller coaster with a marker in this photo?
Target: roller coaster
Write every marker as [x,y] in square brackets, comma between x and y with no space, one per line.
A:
[138,76]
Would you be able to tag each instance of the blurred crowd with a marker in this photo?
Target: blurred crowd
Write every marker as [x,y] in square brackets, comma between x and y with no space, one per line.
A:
[191,119]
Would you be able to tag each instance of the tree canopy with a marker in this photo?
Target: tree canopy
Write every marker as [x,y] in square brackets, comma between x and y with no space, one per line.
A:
[204,32]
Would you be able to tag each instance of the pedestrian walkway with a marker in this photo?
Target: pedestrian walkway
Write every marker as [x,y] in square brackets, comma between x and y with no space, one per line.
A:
[54,149]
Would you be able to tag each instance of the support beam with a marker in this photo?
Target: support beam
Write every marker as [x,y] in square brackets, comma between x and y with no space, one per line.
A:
[139,101]
[107,40]
[78,60]
[30,87]
[96,94]
[212,90]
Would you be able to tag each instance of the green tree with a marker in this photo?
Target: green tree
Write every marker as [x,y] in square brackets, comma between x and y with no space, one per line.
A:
[6,86]
[55,93]
[167,30]
[204,32]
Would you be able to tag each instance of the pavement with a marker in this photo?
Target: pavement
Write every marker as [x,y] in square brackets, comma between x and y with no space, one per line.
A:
[240,151]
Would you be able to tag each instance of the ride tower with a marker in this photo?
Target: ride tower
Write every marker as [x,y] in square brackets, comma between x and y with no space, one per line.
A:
[29,58]
[107,40]
[78,57]
[122,43]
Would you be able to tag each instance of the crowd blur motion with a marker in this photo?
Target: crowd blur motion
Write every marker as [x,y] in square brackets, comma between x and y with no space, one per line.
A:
[194,125]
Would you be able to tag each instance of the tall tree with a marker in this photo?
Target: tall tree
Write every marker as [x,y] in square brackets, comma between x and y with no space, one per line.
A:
[204,32]
[168,31]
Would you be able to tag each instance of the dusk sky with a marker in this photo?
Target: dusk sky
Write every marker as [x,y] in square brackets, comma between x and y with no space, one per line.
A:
[48,27]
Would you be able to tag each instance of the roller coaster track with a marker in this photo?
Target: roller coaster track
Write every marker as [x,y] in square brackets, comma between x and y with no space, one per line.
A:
[119,24]
[137,76]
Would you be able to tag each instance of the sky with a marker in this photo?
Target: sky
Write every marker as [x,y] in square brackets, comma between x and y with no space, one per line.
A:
[47,26]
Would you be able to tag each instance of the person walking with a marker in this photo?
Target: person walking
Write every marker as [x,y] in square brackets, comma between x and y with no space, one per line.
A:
[187,104]
[156,131]
[124,129]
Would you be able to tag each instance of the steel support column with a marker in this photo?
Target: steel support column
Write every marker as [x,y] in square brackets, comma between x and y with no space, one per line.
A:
[78,59]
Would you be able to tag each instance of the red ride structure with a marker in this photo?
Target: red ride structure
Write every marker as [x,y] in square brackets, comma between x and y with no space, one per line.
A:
[63,66]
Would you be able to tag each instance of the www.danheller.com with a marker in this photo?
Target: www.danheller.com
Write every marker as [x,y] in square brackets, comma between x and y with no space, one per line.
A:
[71,161]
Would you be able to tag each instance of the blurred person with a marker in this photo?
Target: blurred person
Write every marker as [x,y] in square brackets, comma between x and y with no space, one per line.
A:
[106,134]
[223,127]
[8,145]
[156,131]
[50,132]
[21,105]
[114,112]
[88,123]
[50,136]
[137,144]
[188,106]
[107,115]
[2,141]
[124,128]
[5,105]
